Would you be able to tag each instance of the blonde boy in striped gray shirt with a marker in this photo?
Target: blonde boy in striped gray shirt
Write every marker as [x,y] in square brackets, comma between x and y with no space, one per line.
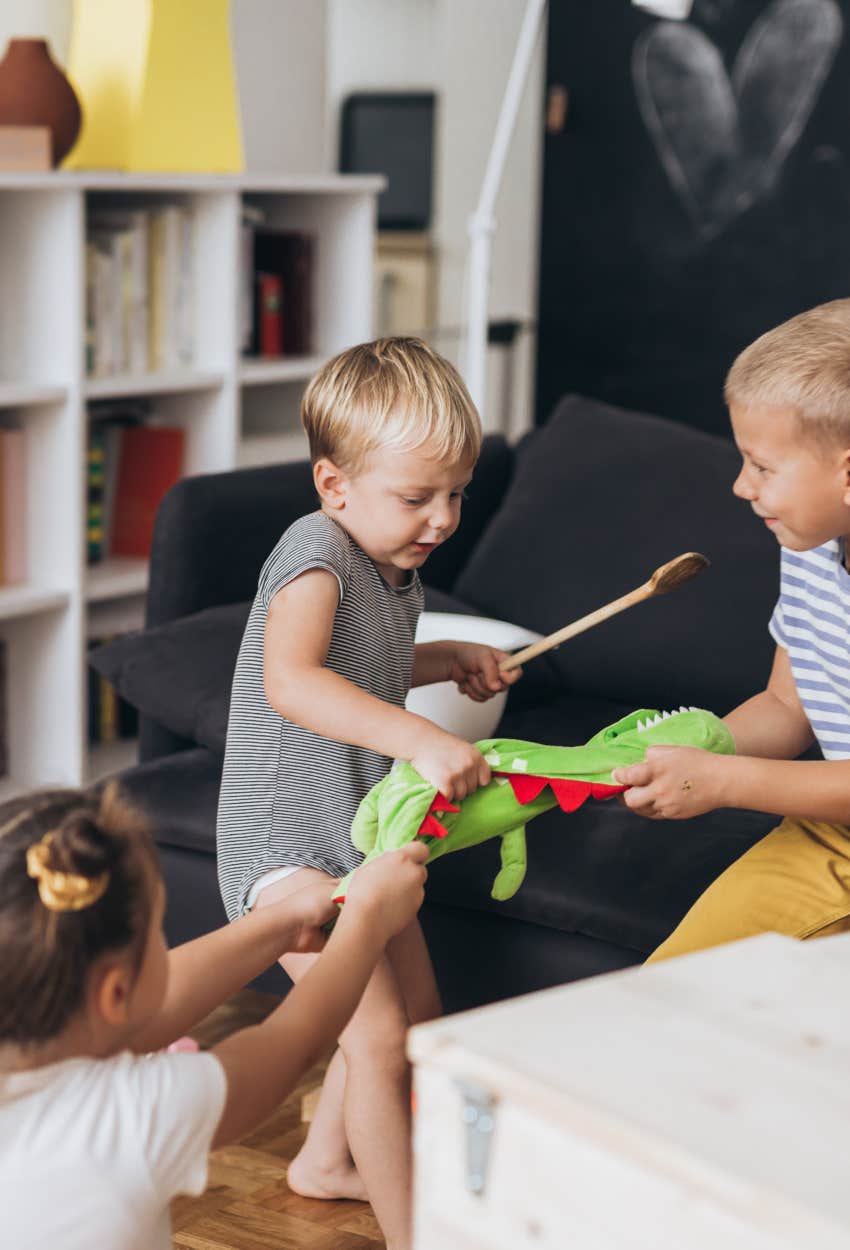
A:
[317,716]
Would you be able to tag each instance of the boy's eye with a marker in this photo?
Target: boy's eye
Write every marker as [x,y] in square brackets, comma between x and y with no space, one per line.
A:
[460,494]
[413,503]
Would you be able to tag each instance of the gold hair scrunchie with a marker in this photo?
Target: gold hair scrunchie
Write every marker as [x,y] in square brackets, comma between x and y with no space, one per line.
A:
[62,891]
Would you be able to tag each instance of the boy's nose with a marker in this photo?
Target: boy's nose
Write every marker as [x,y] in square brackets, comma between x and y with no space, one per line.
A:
[742,487]
[440,519]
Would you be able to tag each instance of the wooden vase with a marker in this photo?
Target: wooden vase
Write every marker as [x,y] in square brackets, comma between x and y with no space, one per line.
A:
[35,92]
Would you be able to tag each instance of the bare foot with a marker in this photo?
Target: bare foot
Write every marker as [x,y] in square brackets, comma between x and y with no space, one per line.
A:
[310,1181]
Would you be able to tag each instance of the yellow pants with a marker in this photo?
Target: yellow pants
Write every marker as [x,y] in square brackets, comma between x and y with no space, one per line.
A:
[796,881]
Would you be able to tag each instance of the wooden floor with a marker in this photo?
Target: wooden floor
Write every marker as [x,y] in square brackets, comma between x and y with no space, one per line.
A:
[247,1205]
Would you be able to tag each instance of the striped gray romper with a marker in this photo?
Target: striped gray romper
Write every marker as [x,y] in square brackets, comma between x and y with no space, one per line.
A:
[288,795]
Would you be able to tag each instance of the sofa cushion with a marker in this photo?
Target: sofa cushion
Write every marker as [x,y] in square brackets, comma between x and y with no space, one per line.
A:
[180,673]
[179,795]
[600,497]
[602,870]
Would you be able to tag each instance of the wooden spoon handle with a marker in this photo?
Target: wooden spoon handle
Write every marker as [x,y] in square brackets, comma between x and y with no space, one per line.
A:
[577,627]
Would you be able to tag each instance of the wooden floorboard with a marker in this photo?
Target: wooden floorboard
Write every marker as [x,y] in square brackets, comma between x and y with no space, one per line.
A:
[247,1204]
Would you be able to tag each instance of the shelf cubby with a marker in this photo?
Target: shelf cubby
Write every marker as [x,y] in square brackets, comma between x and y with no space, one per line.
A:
[234,410]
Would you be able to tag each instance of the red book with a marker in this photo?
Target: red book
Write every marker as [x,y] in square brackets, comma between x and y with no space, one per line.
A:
[270,305]
[150,461]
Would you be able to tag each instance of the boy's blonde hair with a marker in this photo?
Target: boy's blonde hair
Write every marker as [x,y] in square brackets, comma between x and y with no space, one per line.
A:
[803,364]
[396,393]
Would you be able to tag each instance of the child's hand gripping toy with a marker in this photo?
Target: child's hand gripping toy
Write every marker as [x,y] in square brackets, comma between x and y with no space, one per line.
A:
[527,779]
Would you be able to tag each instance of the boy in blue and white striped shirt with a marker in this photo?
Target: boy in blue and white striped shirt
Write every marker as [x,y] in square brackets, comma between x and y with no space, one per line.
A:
[789,401]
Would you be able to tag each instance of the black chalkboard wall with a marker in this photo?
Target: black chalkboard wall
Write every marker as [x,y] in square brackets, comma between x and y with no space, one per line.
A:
[698,194]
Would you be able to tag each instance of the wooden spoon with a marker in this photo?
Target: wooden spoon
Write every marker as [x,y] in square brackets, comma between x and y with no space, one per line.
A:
[670,575]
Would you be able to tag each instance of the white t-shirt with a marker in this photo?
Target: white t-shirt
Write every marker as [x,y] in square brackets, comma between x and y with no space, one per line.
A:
[93,1150]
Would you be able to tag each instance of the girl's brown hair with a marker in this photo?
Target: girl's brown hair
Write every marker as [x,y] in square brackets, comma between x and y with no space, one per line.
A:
[47,954]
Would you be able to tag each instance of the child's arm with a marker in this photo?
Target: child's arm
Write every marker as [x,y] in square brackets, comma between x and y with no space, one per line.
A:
[265,1062]
[472,665]
[773,724]
[203,973]
[769,730]
[299,626]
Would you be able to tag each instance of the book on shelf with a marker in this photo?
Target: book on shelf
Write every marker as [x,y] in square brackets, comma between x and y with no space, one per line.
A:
[171,284]
[106,421]
[150,461]
[13,505]
[139,290]
[95,485]
[110,717]
[132,461]
[270,313]
[4,712]
[276,317]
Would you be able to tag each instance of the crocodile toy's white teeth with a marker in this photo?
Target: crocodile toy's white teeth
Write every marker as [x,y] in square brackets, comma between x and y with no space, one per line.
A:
[693,709]
[686,709]
[640,726]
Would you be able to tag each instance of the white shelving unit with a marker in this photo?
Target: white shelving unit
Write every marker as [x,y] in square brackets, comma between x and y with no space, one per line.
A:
[235,412]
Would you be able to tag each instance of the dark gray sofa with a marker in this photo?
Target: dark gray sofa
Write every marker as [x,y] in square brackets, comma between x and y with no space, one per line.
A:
[583,510]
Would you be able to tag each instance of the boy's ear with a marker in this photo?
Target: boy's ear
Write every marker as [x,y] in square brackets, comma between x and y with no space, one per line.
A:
[331,483]
[845,465]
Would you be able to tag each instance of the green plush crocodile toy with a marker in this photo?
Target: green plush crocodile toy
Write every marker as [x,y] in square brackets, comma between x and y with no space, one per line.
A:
[527,779]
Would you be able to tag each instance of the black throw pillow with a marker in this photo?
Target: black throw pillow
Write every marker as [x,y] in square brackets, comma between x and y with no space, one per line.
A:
[180,673]
[600,498]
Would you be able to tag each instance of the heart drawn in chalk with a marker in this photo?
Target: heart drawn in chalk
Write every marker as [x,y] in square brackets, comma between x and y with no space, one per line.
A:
[722,137]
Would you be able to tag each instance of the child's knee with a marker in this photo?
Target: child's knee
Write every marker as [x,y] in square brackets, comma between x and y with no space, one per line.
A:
[377,1036]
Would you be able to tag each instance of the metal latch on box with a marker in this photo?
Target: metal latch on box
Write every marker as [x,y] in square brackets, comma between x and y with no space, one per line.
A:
[479,1116]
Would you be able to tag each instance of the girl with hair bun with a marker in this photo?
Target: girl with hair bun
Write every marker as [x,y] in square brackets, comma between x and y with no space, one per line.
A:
[97,1134]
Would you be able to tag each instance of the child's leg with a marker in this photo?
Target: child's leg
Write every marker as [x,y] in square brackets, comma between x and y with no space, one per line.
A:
[408,954]
[323,1167]
[795,881]
[372,1085]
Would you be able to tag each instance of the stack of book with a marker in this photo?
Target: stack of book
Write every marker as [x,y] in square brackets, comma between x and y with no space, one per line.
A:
[276,296]
[13,505]
[109,716]
[132,462]
[139,290]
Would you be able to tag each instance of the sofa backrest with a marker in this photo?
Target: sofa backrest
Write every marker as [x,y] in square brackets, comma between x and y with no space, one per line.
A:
[600,497]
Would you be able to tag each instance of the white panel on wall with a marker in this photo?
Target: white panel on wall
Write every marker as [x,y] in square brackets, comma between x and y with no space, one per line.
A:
[38,19]
[380,45]
[279,49]
[437,45]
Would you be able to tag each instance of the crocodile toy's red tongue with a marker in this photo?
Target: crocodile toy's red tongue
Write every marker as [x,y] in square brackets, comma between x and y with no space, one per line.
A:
[526,787]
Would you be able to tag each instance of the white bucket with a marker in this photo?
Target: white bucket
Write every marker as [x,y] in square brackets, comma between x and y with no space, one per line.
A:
[442,702]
